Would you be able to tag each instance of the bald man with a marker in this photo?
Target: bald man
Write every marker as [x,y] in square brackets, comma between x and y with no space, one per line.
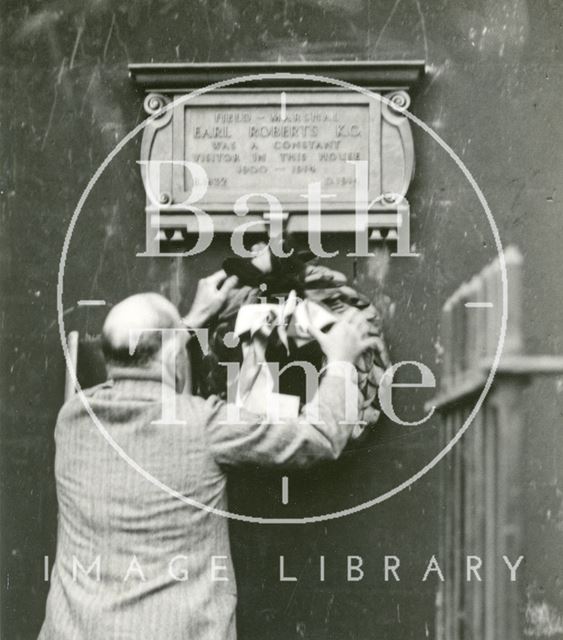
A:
[133,560]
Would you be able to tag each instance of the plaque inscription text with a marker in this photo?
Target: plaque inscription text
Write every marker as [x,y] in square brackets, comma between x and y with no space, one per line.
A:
[252,144]
[261,149]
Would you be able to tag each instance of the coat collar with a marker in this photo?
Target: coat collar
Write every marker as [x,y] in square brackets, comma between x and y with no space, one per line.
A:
[147,377]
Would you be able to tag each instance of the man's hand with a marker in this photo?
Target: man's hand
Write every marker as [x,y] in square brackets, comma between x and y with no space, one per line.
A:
[209,298]
[347,339]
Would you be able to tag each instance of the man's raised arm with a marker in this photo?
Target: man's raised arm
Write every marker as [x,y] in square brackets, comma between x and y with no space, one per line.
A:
[325,424]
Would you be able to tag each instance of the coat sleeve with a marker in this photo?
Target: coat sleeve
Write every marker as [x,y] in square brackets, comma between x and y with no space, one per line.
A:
[321,431]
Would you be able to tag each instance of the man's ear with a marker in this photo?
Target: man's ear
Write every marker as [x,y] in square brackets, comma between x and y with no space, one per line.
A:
[182,369]
[169,355]
[174,355]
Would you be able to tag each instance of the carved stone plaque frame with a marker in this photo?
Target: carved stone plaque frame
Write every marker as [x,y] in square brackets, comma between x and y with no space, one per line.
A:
[278,138]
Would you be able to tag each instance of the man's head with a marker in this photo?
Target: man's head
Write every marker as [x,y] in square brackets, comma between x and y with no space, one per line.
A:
[143,316]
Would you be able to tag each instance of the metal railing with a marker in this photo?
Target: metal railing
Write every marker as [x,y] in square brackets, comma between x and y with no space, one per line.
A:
[481,479]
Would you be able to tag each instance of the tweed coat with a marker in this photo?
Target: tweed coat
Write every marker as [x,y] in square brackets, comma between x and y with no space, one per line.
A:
[133,561]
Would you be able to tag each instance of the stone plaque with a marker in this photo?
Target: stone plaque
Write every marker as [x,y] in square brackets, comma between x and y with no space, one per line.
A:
[274,131]
[263,150]
[278,144]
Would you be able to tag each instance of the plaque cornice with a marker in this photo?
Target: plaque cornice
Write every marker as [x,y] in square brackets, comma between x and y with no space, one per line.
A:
[177,77]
